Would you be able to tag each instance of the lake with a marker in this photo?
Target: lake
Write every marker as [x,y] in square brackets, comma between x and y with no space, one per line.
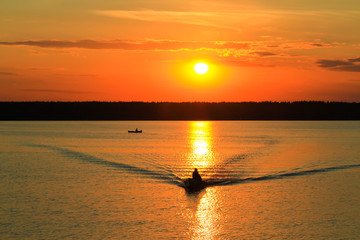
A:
[94,180]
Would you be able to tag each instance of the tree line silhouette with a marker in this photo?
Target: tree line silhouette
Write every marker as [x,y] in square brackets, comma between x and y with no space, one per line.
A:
[301,110]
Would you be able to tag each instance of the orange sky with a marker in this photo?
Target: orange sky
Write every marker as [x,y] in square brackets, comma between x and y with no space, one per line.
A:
[111,50]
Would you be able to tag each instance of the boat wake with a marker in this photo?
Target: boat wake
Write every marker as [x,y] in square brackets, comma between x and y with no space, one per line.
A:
[219,182]
[159,174]
[166,175]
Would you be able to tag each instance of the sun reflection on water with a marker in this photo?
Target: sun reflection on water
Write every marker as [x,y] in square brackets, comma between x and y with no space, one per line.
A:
[201,155]
[206,218]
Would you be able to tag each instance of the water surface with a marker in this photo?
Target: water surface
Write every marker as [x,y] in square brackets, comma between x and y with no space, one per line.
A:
[278,179]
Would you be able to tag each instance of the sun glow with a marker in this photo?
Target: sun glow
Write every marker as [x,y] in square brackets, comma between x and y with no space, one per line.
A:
[201,74]
[201,68]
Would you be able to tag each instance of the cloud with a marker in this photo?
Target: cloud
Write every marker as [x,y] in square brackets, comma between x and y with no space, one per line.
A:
[317,44]
[348,65]
[264,54]
[324,63]
[221,18]
[244,63]
[8,74]
[354,60]
[130,45]
[76,75]
[238,50]
[257,47]
[57,91]
[208,19]
[89,44]
[34,52]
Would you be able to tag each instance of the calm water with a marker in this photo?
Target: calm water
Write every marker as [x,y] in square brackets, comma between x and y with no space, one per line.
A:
[93,180]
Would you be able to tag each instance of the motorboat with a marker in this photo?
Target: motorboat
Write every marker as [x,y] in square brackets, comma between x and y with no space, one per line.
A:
[135,131]
[194,185]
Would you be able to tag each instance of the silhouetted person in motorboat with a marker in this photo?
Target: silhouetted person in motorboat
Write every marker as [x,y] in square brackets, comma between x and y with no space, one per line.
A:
[196,175]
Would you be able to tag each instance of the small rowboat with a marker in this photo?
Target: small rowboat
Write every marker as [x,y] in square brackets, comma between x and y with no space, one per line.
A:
[194,185]
[136,131]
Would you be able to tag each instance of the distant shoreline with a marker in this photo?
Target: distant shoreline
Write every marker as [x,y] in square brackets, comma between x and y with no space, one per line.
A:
[221,111]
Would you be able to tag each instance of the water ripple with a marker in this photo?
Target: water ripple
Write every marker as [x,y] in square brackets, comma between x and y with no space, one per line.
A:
[166,176]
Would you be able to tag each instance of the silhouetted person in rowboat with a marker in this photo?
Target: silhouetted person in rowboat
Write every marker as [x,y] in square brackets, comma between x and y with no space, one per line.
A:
[196,175]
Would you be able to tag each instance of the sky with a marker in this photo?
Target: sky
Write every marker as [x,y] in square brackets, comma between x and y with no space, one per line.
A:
[145,50]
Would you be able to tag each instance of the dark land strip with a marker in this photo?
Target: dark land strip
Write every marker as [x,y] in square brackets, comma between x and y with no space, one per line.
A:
[304,110]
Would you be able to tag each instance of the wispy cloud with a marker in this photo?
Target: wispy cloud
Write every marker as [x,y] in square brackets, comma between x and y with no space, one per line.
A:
[264,54]
[257,47]
[8,74]
[234,19]
[57,91]
[34,52]
[237,53]
[354,60]
[347,65]
[194,18]
[130,45]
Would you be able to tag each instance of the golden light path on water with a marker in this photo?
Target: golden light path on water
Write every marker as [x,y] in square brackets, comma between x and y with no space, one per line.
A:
[208,216]
[205,221]
[201,155]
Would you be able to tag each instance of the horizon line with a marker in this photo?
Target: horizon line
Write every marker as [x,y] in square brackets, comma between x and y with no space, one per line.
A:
[94,101]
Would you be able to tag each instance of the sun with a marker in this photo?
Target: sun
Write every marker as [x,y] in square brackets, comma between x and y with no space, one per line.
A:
[201,68]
